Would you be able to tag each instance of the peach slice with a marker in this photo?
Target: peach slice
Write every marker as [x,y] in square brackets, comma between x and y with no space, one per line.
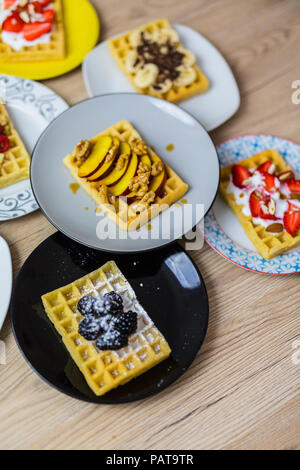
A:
[157,182]
[122,185]
[96,158]
[115,174]
[108,161]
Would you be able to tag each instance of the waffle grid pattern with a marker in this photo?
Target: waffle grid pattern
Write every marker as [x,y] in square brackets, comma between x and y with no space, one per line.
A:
[16,162]
[119,48]
[268,244]
[122,213]
[105,370]
[55,50]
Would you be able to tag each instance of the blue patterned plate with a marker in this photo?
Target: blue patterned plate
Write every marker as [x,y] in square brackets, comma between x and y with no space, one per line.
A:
[223,231]
[32,107]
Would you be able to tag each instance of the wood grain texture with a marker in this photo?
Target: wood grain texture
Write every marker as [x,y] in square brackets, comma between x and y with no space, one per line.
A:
[242,391]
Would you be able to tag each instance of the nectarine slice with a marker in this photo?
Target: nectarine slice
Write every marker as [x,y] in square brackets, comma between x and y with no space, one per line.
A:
[108,161]
[145,159]
[122,185]
[157,182]
[96,158]
[115,174]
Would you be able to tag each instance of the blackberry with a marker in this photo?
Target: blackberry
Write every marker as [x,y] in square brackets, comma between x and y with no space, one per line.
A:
[85,305]
[109,304]
[112,340]
[89,328]
[126,322]
[105,322]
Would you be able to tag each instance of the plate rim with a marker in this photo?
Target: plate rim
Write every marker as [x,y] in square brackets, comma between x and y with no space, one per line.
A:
[48,91]
[10,274]
[146,394]
[206,239]
[106,249]
[209,43]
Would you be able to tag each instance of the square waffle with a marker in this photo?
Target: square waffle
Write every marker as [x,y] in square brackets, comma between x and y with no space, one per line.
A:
[16,161]
[119,48]
[55,50]
[268,244]
[123,214]
[105,370]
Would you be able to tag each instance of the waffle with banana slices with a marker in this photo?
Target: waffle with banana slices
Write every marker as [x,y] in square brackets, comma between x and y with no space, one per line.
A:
[14,158]
[272,230]
[129,182]
[105,369]
[156,64]
[31,31]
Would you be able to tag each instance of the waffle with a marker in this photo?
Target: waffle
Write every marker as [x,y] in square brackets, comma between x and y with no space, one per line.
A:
[119,48]
[105,370]
[55,50]
[122,213]
[16,162]
[268,244]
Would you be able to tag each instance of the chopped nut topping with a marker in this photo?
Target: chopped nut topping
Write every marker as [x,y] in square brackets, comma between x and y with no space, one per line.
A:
[103,193]
[121,161]
[143,168]
[149,198]
[111,153]
[82,151]
[157,168]
[139,146]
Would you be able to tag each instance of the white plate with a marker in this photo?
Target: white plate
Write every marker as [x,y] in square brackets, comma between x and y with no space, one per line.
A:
[223,231]
[31,106]
[5,279]
[213,108]
[160,123]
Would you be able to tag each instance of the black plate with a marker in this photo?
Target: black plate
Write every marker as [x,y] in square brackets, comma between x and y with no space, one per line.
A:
[167,284]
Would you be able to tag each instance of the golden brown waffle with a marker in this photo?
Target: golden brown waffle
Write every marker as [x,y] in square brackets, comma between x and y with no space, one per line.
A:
[123,214]
[16,162]
[268,244]
[55,50]
[105,370]
[119,48]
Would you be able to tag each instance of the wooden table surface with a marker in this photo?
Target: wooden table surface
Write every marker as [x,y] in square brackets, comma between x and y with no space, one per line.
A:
[242,391]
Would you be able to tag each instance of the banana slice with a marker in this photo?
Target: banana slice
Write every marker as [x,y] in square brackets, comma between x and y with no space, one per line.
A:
[163,87]
[146,76]
[135,37]
[186,77]
[162,36]
[133,62]
[189,57]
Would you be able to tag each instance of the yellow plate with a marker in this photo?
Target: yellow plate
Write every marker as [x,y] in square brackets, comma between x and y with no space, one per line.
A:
[82,31]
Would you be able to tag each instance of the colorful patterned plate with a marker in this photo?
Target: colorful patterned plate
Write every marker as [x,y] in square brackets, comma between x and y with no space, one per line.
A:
[31,106]
[223,231]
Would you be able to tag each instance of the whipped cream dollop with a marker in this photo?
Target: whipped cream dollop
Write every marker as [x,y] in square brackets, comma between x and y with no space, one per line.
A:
[256,182]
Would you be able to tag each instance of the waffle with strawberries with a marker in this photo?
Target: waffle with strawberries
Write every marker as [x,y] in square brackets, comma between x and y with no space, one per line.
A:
[264,193]
[32,30]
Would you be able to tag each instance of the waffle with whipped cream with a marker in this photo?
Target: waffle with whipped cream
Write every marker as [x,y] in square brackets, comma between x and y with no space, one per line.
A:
[156,63]
[49,46]
[268,243]
[105,370]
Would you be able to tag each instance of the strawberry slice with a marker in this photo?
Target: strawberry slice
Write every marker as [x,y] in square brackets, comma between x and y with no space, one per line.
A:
[239,175]
[255,200]
[4,143]
[8,4]
[294,186]
[265,167]
[291,219]
[45,2]
[13,23]
[271,182]
[48,15]
[32,31]
[37,6]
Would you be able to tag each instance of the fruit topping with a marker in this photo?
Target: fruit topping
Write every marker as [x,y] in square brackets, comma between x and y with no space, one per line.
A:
[13,23]
[271,182]
[240,175]
[115,300]
[255,200]
[4,143]
[291,219]
[89,328]
[267,167]
[112,340]
[85,305]
[96,157]
[126,323]
[294,186]
[35,30]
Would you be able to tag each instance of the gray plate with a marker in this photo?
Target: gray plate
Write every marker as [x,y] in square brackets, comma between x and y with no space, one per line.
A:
[160,123]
